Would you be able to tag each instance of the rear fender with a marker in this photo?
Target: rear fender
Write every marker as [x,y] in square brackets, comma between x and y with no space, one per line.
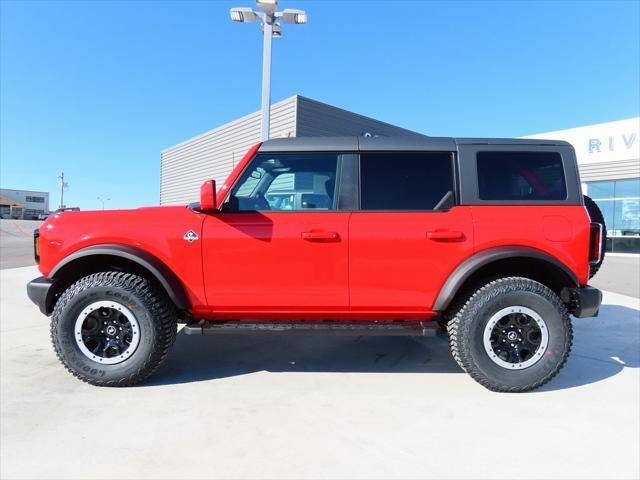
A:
[474,263]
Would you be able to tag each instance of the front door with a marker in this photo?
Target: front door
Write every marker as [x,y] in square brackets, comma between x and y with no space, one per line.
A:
[279,246]
[408,235]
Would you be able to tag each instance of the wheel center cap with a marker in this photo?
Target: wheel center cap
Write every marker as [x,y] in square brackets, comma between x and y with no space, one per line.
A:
[512,336]
[111,330]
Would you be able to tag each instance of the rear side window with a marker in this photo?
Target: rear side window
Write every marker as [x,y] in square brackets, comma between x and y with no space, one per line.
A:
[521,176]
[406,181]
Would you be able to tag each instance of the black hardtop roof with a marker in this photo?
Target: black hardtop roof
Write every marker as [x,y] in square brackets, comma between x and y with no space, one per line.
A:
[364,144]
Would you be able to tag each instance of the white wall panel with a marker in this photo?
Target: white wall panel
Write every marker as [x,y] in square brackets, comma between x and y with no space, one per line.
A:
[213,154]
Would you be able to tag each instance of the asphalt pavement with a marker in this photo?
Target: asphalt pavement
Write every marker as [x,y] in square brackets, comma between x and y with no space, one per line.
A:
[317,407]
[16,242]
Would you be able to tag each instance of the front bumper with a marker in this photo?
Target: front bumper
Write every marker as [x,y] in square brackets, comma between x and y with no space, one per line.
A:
[39,292]
[583,302]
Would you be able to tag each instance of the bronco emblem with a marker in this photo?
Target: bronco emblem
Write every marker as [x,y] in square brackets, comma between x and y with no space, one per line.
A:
[191,236]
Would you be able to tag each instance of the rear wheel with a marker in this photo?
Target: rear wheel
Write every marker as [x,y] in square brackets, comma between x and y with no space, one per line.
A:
[511,335]
[112,328]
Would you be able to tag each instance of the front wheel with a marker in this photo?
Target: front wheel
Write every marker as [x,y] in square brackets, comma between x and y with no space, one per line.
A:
[112,328]
[512,335]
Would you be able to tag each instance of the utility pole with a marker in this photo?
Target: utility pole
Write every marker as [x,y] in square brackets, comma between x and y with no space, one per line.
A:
[267,34]
[63,185]
[104,200]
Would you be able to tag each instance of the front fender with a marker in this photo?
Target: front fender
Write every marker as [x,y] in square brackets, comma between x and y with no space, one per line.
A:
[152,264]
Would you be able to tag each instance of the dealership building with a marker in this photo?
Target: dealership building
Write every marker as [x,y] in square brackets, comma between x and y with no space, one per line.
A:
[609,162]
[608,157]
[213,154]
[23,204]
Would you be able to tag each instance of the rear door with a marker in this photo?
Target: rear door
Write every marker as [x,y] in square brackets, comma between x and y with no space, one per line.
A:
[408,234]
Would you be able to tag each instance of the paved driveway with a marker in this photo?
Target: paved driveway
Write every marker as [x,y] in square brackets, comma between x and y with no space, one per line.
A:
[620,274]
[317,407]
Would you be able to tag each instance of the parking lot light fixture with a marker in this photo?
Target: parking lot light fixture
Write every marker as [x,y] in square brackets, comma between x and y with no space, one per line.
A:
[243,15]
[269,17]
[289,15]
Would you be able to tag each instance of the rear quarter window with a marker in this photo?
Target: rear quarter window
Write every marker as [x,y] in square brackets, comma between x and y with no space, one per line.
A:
[521,176]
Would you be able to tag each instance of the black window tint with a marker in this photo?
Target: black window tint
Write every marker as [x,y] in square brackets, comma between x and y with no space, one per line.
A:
[405,181]
[521,176]
[281,182]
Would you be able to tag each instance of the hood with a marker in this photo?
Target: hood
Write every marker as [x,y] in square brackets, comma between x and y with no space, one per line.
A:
[149,228]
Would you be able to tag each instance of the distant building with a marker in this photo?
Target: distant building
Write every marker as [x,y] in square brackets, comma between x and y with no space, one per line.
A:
[213,154]
[23,204]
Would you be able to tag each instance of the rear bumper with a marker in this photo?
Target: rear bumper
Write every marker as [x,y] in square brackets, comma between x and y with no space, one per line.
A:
[38,291]
[583,302]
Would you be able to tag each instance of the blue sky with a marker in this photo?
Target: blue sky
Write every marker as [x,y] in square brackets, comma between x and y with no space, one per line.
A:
[98,89]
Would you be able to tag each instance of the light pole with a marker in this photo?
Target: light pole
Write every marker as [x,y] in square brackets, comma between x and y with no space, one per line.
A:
[269,18]
[103,200]
[63,185]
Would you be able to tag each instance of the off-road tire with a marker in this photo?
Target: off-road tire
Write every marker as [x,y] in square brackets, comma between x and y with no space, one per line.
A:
[596,216]
[152,309]
[466,329]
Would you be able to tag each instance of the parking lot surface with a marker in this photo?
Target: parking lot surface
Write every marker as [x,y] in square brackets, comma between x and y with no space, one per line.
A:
[16,242]
[620,274]
[317,407]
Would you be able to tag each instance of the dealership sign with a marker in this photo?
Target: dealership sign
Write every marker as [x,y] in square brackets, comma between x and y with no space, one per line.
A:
[604,142]
[595,144]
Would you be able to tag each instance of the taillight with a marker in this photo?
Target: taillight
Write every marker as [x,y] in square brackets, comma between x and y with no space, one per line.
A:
[595,243]
[36,245]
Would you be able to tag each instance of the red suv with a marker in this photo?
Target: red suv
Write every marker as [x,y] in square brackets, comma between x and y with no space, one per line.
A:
[490,240]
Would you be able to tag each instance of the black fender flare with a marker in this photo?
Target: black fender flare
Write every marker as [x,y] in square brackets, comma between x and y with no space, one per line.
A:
[463,271]
[163,274]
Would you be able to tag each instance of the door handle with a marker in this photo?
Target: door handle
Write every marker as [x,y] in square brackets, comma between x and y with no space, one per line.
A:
[319,236]
[445,235]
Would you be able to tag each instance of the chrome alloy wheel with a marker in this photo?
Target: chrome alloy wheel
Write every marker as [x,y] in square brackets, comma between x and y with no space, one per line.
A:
[516,337]
[107,332]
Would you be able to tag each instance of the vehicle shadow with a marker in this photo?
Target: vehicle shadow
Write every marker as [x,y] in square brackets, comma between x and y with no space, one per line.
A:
[200,358]
[602,348]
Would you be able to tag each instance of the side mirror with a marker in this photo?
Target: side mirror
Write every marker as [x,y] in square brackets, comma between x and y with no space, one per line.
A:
[208,196]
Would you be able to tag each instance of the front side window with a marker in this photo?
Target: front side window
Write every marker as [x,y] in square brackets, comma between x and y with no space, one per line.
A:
[406,181]
[521,176]
[286,182]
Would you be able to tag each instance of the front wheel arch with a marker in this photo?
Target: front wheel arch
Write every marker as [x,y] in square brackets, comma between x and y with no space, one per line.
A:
[113,257]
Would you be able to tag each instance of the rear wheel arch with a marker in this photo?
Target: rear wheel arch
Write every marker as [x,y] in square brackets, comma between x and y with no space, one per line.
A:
[505,262]
[109,257]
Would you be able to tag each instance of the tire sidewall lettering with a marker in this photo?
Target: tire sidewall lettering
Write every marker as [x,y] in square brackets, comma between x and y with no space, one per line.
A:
[70,352]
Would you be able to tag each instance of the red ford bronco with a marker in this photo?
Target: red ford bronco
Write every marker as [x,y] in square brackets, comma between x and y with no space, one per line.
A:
[490,240]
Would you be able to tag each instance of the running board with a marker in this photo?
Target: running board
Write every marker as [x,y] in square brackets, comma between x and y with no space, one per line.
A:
[402,329]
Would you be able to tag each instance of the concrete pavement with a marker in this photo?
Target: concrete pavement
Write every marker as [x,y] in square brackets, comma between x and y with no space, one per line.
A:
[620,274]
[317,407]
